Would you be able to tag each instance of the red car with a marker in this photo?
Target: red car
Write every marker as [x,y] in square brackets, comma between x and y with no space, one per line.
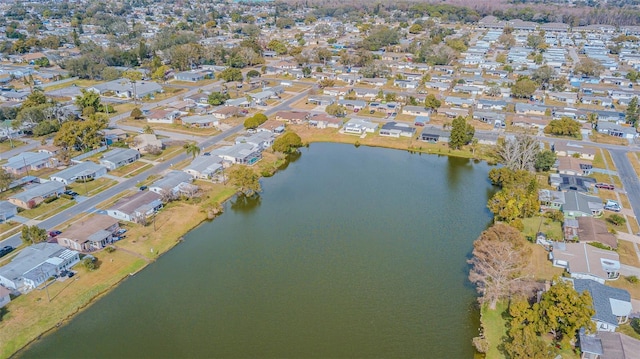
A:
[605,186]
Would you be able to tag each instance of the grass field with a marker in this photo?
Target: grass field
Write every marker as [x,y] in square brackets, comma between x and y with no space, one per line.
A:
[45,210]
[129,169]
[545,225]
[92,187]
[493,327]
[627,253]
[6,145]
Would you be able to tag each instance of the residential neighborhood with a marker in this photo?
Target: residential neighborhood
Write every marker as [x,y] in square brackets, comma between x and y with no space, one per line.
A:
[117,119]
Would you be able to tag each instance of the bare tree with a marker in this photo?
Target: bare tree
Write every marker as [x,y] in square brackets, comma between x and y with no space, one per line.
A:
[499,259]
[519,153]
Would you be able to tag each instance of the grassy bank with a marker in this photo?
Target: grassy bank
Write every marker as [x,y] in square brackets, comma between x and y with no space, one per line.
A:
[494,328]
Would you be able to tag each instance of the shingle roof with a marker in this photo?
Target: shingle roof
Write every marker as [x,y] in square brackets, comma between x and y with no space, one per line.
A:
[605,299]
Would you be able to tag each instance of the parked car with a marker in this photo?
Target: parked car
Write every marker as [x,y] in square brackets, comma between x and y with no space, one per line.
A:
[612,206]
[54,233]
[71,193]
[142,188]
[5,250]
[419,124]
[605,186]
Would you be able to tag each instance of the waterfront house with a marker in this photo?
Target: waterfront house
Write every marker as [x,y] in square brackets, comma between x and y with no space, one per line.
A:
[358,126]
[433,134]
[242,153]
[584,261]
[204,167]
[322,120]
[293,117]
[173,184]
[612,305]
[119,157]
[33,265]
[83,171]
[137,208]
[397,129]
[90,234]
[36,193]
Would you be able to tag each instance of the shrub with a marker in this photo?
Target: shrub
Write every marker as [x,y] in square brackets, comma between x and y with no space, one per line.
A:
[89,263]
[616,220]
[110,249]
[50,199]
[481,344]
[632,279]
[635,324]
[66,196]
[600,245]
[517,224]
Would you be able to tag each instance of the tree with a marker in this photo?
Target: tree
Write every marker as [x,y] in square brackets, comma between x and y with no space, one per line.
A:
[535,41]
[545,160]
[148,130]
[336,110]
[89,263]
[589,67]
[543,74]
[326,83]
[81,135]
[523,341]
[136,113]
[632,114]
[192,148]
[287,143]
[461,133]
[507,40]
[592,118]
[616,219]
[562,312]
[253,73]
[432,103]
[217,98]
[88,99]
[518,153]
[5,179]
[255,121]
[230,74]
[524,87]
[518,197]
[278,46]
[563,127]
[497,267]
[245,180]
[33,234]
[415,28]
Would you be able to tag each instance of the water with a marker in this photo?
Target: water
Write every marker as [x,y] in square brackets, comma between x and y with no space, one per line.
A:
[349,252]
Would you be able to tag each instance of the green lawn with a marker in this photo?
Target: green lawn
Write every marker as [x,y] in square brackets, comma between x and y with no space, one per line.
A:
[45,210]
[493,324]
[92,187]
[547,226]
[128,169]
[6,145]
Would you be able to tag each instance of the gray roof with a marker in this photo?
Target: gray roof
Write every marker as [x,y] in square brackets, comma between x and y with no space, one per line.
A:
[141,199]
[402,127]
[577,201]
[435,131]
[171,180]
[79,170]
[619,346]
[32,257]
[590,344]
[7,207]
[608,302]
[206,165]
[39,190]
[199,119]
[142,88]
[27,159]
[241,150]
[119,154]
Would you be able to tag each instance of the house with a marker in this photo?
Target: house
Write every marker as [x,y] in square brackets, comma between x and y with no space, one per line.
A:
[458,101]
[35,194]
[90,234]
[354,105]
[591,229]
[320,100]
[146,143]
[261,139]
[137,208]
[551,200]
[193,75]
[498,105]
[226,112]
[33,265]
[7,210]
[83,171]
[321,121]
[486,138]
[119,157]
[584,261]
[433,134]
[114,135]
[124,88]
[200,121]
[358,126]
[167,116]
[406,84]
[612,305]
[562,148]
[29,161]
[530,109]
[613,129]
[272,126]
[261,98]
[5,296]
[603,345]
[574,166]
[204,167]
[173,184]
[530,122]
[578,204]
[396,129]
[416,111]
[566,182]
[294,117]
[242,153]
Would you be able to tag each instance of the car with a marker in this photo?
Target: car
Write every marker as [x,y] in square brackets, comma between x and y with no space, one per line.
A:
[55,233]
[605,186]
[372,112]
[71,193]
[142,188]
[71,274]
[121,231]
[5,250]
[207,154]
[419,124]
[612,206]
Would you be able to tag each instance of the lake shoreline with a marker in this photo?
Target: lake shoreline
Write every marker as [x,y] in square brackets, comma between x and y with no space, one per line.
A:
[72,312]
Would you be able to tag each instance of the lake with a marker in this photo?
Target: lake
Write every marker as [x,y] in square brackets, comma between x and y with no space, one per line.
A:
[348,252]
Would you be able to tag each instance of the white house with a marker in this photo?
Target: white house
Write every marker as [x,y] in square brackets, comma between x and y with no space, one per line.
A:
[136,208]
[174,183]
[119,157]
[83,171]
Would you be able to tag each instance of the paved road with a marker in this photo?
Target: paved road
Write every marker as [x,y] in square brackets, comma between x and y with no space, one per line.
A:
[628,177]
[31,144]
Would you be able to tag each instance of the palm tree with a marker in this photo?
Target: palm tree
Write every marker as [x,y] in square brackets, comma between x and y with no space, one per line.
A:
[192,148]
[592,118]
[148,129]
